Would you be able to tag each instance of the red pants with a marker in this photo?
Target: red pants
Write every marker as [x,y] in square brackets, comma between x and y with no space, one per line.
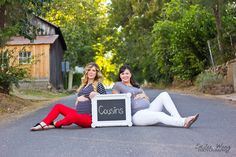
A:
[70,116]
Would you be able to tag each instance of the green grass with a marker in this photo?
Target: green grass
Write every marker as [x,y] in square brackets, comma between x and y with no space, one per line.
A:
[42,93]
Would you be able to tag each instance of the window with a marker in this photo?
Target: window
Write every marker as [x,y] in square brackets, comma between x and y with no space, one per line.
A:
[4,59]
[25,57]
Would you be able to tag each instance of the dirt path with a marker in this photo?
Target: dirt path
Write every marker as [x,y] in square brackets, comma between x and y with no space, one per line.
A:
[13,107]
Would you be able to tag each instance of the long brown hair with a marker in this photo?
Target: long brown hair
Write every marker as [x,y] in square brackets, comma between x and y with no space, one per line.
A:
[98,77]
[132,80]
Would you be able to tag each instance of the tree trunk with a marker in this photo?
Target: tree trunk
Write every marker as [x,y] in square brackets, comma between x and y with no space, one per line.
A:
[2,16]
[216,10]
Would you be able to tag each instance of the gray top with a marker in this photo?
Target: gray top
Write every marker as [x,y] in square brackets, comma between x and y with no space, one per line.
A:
[136,104]
[85,106]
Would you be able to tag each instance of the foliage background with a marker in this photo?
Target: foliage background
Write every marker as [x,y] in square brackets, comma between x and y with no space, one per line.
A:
[162,40]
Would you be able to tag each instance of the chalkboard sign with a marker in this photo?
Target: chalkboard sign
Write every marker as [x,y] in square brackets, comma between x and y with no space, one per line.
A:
[111,110]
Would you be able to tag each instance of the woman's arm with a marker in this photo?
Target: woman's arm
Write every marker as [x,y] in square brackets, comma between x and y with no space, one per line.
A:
[115,88]
[100,90]
[80,99]
[141,95]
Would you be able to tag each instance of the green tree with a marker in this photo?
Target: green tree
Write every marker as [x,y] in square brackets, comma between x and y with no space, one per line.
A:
[15,18]
[132,22]
[180,41]
[10,71]
[84,26]
[105,61]
[163,40]
[82,23]
[219,9]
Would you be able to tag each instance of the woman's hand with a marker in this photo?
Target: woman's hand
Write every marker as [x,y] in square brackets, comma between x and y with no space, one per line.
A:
[93,94]
[80,99]
[115,92]
[141,96]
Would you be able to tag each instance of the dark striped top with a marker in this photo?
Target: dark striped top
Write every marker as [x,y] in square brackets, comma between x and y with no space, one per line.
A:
[85,106]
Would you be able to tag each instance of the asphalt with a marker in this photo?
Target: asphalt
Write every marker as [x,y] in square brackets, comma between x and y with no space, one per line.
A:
[212,135]
[229,97]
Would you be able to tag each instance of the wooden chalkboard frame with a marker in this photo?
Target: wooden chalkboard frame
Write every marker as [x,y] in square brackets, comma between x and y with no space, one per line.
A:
[126,122]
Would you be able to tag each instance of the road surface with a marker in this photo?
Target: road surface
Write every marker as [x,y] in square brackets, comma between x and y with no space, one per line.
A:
[212,135]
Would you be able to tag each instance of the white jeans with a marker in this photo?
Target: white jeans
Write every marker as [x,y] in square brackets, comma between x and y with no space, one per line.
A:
[153,114]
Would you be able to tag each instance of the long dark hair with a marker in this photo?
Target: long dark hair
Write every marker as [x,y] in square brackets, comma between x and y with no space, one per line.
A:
[132,80]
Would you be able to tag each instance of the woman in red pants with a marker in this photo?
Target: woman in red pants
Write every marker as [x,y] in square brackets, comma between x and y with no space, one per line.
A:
[81,115]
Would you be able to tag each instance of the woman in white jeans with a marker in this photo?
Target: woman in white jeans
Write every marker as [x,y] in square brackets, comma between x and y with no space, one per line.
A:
[144,112]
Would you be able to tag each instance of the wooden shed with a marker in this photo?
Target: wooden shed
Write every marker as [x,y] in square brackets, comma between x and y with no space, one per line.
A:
[47,50]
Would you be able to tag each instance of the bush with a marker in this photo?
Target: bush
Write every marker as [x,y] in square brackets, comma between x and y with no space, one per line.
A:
[208,78]
[10,73]
[77,79]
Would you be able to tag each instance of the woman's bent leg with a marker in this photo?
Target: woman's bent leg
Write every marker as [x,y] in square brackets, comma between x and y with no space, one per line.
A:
[147,117]
[83,120]
[165,100]
[56,110]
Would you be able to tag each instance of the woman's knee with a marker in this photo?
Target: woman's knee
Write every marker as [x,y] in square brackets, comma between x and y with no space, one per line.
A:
[58,105]
[164,94]
[139,118]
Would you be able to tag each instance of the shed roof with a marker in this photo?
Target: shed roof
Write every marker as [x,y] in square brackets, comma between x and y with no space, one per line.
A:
[58,31]
[20,40]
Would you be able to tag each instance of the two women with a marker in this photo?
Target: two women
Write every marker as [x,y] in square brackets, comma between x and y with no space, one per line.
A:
[81,115]
[145,112]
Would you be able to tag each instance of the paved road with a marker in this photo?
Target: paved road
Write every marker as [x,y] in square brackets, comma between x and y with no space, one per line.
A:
[212,135]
